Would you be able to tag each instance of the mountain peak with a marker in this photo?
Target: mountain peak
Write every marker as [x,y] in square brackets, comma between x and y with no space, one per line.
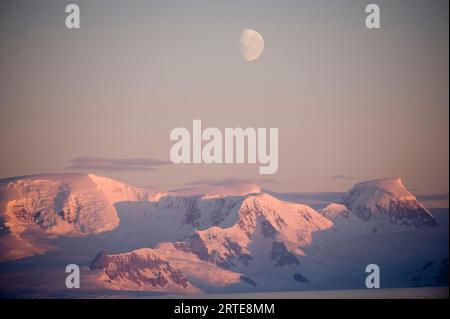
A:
[389,201]
[392,185]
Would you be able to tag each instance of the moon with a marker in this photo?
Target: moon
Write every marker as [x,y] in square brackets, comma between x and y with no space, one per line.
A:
[252,44]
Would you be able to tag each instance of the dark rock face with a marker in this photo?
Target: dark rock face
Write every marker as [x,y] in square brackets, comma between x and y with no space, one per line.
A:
[281,256]
[267,229]
[247,221]
[194,244]
[427,265]
[300,278]
[142,268]
[4,230]
[192,214]
[442,276]
[236,251]
[248,280]
[432,274]
[199,211]
[224,209]
[100,261]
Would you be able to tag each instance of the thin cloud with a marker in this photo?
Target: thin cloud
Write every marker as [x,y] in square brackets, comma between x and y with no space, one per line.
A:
[343,177]
[228,181]
[112,164]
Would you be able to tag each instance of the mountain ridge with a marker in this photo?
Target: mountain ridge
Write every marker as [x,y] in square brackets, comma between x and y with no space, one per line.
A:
[163,240]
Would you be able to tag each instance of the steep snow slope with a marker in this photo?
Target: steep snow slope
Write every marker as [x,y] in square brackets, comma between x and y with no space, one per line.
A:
[198,271]
[173,217]
[344,220]
[45,206]
[265,225]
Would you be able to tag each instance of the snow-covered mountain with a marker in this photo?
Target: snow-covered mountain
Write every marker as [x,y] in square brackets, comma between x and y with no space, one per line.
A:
[163,268]
[386,205]
[45,206]
[141,269]
[228,239]
[186,243]
[263,224]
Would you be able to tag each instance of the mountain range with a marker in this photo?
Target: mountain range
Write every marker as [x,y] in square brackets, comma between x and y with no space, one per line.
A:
[235,237]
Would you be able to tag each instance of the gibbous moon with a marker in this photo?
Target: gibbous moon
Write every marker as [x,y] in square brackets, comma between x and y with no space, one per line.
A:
[252,44]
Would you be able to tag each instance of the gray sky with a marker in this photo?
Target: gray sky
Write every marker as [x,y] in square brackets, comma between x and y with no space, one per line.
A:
[351,104]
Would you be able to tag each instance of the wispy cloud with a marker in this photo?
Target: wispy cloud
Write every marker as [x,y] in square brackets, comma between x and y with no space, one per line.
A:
[228,181]
[112,164]
[343,177]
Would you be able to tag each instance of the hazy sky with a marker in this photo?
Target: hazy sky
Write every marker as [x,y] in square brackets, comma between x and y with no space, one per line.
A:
[350,103]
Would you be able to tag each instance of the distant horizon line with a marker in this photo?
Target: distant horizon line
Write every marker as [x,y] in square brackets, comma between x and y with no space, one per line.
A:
[425,196]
